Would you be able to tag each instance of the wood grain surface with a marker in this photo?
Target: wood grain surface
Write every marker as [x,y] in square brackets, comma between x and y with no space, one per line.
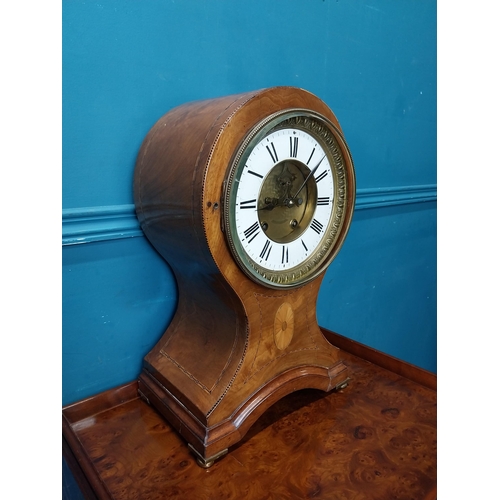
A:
[376,439]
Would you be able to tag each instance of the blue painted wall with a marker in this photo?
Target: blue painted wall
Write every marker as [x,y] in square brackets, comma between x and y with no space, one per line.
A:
[126,63]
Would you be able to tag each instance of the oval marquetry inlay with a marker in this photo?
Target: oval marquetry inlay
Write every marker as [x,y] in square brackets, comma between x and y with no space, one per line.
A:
[283,326]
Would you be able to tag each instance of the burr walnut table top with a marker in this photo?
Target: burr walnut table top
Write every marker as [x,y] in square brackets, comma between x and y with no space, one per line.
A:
[376,439]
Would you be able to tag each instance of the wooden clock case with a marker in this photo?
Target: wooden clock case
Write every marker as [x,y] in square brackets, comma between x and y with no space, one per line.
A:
[234,347]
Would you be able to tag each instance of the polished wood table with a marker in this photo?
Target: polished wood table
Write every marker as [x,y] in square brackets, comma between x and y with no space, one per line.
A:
[375,439]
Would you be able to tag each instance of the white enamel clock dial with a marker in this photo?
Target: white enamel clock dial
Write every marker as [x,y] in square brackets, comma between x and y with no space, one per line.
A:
[285,198]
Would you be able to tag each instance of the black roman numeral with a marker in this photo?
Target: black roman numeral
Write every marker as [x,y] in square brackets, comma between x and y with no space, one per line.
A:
[255,173]
[284,255]
[321,176]
[294,146]
[252,231]
[266,250]
[304,245]
[316,226]
[273,153]
[248,204]
[323,201]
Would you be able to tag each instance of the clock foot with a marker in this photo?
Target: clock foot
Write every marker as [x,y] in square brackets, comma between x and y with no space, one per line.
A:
[203,462]
[342,385]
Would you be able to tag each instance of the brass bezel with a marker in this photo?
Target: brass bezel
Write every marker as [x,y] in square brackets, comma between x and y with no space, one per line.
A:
[340,158]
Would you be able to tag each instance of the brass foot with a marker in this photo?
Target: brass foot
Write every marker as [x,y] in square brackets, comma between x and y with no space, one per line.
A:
[342,385]
[206,463]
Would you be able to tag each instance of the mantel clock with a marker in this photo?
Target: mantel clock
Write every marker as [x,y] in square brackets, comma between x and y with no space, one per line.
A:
[248,198]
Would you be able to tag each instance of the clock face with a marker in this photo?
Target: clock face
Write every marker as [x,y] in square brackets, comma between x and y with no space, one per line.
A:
[285,198]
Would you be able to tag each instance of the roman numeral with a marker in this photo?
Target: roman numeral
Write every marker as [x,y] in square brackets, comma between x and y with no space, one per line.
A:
[284,255]
[255,173]
[248,204]
[266,250]
[314,149]
[273,154]
[304,245]
[323,201]
[294,146]
[252,231]
[316,226]
[321,176]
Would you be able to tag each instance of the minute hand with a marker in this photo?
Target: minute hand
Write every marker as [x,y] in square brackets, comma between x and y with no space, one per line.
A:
[308,177]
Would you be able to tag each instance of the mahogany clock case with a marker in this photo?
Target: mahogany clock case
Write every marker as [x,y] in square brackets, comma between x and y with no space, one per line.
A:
[234,346]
